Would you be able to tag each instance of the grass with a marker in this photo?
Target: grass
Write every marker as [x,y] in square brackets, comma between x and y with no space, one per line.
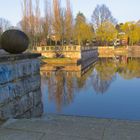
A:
[59,60]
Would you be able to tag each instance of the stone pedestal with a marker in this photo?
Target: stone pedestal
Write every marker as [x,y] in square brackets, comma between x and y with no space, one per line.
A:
[20,92]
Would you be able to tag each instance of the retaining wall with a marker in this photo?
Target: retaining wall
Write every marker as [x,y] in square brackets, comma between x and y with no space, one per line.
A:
[20,92]
[72,51]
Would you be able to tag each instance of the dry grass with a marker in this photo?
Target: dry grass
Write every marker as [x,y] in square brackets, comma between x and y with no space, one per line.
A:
[59,60]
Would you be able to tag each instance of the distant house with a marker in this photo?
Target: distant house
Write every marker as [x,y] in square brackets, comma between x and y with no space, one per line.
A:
[123,38]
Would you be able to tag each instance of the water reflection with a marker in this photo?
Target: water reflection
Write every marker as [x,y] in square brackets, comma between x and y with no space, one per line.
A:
[104,75]
[129,70]
[63,84]
[63,81]
[60,87]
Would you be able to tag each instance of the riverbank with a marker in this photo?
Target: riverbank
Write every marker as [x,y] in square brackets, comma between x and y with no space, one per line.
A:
[55,127]
[59,61]
[111,51]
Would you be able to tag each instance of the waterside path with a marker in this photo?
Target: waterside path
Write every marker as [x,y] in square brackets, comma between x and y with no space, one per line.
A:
[54,127]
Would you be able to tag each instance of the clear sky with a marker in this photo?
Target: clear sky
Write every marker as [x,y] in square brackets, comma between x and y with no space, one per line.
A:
[122,10]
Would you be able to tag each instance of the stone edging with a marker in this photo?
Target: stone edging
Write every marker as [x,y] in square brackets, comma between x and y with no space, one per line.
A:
[14,57]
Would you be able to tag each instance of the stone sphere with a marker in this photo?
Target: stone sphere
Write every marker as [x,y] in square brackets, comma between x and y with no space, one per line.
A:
[14,41]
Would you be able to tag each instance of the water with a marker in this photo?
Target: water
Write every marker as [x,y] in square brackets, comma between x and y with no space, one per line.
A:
[109,88]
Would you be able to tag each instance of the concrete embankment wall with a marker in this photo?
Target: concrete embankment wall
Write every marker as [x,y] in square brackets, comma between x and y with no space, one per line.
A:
[134,48]
[111,51]
[129,51]
[20,93]
[66,51]
[134,51]
[106,51]
[73,51]
[88,53]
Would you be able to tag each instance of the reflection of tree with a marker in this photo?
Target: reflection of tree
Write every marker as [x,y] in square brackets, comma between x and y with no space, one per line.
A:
[70,84]
[104,75]
[130,70]
[62,83]
[60,88]
[105,72]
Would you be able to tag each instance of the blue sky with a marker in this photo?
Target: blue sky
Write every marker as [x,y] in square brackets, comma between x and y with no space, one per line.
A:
[122,10]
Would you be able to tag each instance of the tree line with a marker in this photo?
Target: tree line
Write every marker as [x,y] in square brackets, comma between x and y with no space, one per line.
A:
[4,25]
[60,27]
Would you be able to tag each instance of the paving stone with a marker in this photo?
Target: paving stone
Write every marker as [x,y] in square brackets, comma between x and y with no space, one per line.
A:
[71,130]
[55,127]
[6,134]
[117,134]
[122,130]
[65,137]
[91,129]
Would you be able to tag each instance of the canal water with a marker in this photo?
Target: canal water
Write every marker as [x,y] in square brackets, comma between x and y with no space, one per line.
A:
[109,88]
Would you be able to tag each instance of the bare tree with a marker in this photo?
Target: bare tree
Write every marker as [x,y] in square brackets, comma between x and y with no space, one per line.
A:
[27,22]
[24,24]
[4,24]
[68,22]
[62,32]
[37,17]
[46,23]
[102,14]
[37,24]
[31,21]
[57,20]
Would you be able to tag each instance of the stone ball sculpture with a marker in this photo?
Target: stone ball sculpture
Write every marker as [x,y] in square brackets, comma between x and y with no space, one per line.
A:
[14,41]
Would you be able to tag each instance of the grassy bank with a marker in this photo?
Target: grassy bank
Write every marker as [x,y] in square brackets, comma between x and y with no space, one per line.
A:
[59,60]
